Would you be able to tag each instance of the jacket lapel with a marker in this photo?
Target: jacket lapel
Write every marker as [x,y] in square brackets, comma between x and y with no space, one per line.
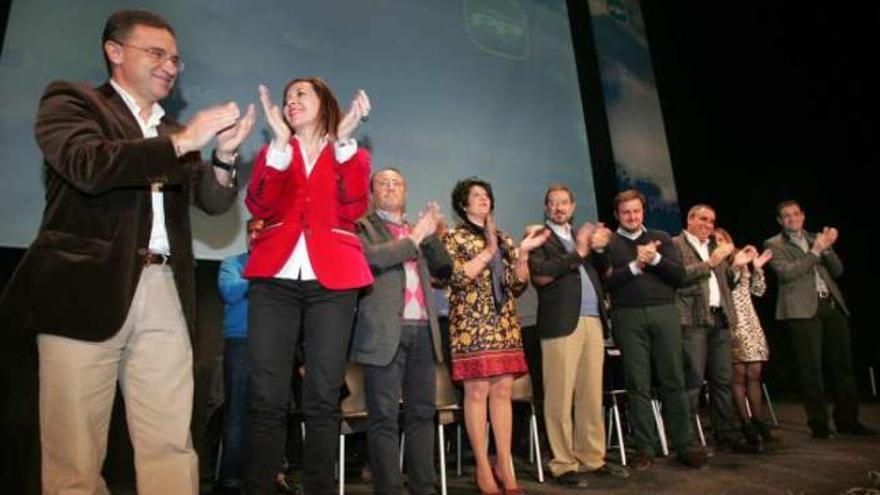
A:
[117,107]
[379,225]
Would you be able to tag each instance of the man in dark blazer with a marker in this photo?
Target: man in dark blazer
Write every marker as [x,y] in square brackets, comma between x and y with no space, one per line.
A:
[811,305]
[107,287]
[397,337]
[571,325]
[707,316]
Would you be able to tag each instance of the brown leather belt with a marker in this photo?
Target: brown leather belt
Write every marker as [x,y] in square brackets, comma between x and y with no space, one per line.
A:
[157,259]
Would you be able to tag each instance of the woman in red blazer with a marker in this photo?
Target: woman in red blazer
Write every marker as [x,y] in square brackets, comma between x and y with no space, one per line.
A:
[309,185]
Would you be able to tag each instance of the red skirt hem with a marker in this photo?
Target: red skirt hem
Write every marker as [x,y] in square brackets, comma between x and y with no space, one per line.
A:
[487,364]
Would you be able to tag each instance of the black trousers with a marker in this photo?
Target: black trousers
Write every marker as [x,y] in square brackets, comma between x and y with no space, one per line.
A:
[822,344]
[281,312]
[707,356]
[412,372]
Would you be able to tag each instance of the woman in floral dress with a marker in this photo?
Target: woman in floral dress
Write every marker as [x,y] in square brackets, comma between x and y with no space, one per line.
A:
[488,274]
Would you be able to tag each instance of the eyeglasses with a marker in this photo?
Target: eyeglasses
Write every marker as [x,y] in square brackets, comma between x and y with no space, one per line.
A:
[157,55]
[392,183]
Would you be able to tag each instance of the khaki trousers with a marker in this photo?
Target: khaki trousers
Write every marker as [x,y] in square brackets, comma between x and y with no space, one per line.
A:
[151,357]
[573,381]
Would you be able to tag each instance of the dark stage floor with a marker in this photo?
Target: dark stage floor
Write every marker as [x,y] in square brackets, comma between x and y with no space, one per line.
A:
[797,465]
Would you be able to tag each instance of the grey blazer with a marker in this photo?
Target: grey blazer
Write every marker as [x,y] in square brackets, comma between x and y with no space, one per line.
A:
[380,308]
[692,298]
[793,267]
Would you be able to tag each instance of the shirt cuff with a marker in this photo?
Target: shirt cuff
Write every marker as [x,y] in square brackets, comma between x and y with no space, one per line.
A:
[655,260]
[279,159]
[634,268]
[345,149]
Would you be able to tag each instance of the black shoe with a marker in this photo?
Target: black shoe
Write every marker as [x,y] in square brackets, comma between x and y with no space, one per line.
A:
[764,428]
[571,479]
[641,461]
[695,457]
[857,429]
[822,433]
[739,445]
[610,471]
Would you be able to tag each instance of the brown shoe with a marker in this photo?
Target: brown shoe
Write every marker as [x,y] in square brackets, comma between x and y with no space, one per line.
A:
[641,461]
[696,457]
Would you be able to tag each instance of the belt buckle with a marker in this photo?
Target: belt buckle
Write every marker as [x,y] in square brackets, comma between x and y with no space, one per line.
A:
[824,295]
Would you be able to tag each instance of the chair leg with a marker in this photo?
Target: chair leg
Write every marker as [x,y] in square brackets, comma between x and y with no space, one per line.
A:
[748,408]
[441,447]
[616,411]
[873,381]
[769,404]
[458,449]
[537,441]
[219,458]
[531,448]
[341,464]
[661,427]
[700,429]
[609,426]
[402,446]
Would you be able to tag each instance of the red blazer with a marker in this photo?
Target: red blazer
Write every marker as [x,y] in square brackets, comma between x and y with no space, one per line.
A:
[322,206]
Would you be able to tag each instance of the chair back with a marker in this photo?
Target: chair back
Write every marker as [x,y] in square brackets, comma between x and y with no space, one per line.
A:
[355,404]
[446,396]
[522,389]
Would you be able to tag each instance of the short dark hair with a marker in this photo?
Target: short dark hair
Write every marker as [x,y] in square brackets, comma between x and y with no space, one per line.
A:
[786,204]
[629,195]
[700,206]
[384,169]
[329,113]
[558,187]
[461,191]
[120,23]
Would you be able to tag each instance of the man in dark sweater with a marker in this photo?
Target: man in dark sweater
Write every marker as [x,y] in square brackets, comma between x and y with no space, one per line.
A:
[645,271]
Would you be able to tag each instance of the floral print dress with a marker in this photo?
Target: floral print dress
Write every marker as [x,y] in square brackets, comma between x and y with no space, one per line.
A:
[485,342]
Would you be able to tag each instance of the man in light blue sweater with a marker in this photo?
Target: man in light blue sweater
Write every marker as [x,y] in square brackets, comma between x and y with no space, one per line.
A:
[234,292]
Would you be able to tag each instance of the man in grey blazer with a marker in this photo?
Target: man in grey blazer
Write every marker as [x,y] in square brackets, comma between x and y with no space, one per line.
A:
[396,336]
[707,315]
[811,305]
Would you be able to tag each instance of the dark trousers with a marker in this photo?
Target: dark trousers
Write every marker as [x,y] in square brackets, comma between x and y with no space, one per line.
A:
[826,335]
[280,313]
[235,386]
[650,338]
[412,371]
[707,356]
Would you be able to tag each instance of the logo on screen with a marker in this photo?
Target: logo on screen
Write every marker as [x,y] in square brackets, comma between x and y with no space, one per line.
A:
[618,10]
[498,27]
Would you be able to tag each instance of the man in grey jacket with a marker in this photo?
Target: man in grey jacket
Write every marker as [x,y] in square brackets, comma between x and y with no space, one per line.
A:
[811,305]
[397,337]
[707,315]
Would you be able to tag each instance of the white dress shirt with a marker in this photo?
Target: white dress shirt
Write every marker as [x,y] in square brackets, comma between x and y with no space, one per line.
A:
[703,250]
[150,129]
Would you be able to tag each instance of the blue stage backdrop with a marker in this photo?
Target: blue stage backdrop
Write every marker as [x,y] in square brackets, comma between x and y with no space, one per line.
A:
[459,88]
[635,120]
